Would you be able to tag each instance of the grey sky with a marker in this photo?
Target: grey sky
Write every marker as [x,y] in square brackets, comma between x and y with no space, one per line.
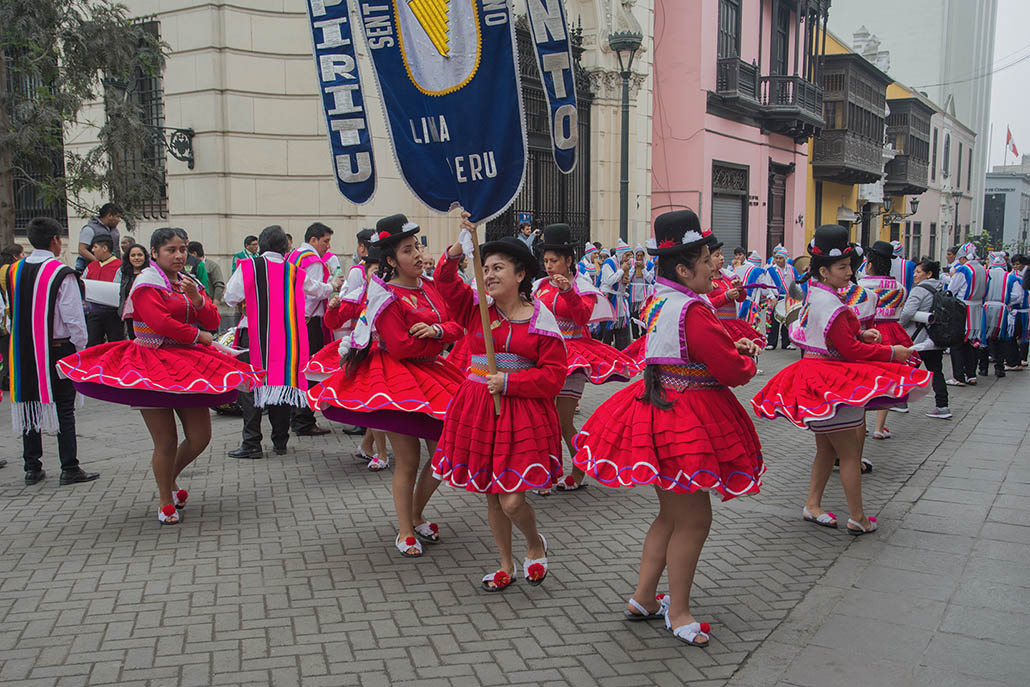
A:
[1010,90]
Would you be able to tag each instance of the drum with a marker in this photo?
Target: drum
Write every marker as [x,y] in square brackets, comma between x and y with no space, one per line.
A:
[787,310]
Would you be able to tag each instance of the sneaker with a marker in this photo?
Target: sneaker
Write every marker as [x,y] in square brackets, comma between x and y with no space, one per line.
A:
[898,409]
[940,413]
[770,348]
[790,347]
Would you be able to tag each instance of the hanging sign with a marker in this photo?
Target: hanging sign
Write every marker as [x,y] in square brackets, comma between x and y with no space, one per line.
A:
[350,142]
[554,59]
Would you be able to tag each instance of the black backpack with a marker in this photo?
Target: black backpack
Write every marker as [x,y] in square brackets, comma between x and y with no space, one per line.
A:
[948,327]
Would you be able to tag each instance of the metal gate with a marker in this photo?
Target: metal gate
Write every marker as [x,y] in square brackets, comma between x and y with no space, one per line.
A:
[547,194]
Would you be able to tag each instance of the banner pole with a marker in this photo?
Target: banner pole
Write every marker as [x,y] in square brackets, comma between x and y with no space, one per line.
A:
[484,316]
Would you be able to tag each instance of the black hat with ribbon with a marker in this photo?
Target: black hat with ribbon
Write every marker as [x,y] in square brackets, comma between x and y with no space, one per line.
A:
[678,230]
[514,249]
[366,234]
[392,229]
[557,237]
[831,241]
[883,249]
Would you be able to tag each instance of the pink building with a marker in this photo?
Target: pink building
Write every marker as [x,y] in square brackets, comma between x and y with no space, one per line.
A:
[735,102]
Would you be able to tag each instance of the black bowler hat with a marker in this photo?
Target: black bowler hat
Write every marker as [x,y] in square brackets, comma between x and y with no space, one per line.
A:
[515,249]
[366,234]
[831,241]
[883,249]
[374,255]
[390,230]
[556,237]
[676,230]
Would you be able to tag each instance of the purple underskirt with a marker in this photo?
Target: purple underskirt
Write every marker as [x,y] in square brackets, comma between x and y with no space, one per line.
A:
[412,424]
[145,398]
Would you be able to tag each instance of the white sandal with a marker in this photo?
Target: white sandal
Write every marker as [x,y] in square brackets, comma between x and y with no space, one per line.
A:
[168,515]
[688,633]
[501,579]
[536,569]
[569,484]
[858,530]
[179,498]
[409,543]
[825,519]
[643,613]
[375,463]
[429,532]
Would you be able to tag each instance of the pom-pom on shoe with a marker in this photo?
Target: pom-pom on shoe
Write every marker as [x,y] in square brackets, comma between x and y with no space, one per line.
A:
[428,532]
[407,545]
[642,613]
[500,580]
[536,569]
[179,498]
[168,515]
[823,520]
[689,634]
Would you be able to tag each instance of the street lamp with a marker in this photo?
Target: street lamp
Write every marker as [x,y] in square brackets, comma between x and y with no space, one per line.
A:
[625,42]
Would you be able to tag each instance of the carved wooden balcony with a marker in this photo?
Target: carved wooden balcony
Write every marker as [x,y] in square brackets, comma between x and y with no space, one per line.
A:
[906,175]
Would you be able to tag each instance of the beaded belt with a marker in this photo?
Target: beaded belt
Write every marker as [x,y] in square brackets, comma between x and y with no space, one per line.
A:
[569,328]
[689,376]
[813,355]
[145,336]
[506,362]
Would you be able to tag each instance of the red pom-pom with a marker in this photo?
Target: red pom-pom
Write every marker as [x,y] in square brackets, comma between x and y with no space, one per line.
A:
[706,628]
[168,511]
[667,243]
[659,597]
[536,571]
[182,495]
[410,541]
[569,481]
[831,515]
[501,579]
[871,519]
[434,528]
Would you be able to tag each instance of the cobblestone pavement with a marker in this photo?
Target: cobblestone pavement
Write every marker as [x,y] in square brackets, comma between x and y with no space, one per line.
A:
[284,572]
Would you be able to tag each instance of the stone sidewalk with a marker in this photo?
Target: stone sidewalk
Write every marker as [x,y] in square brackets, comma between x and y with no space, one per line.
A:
[283,571]
[940,596]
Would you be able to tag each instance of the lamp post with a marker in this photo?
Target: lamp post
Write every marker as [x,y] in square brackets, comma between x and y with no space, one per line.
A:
[625,42]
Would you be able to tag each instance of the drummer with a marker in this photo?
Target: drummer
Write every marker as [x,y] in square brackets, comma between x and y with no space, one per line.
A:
[782,276]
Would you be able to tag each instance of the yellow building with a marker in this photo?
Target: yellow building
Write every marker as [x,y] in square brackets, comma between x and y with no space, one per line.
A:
[855,177]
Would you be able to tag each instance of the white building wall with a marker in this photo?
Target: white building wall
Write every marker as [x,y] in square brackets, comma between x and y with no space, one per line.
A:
[242,76]
[935,45]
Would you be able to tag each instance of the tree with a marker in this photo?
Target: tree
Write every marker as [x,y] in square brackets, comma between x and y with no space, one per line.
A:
[56,57]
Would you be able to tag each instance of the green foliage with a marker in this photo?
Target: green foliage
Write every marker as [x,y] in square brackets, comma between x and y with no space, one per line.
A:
[62,55]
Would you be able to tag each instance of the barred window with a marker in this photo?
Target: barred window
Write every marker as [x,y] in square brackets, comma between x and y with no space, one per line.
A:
[134,163]
[728,40]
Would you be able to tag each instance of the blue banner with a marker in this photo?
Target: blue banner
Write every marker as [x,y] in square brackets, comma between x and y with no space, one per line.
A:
[350,141]
[447,73]
[554,59]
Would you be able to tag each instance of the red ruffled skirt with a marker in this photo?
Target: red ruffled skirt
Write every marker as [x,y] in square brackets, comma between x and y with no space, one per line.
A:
[171,376]
[324,363]
[601,362]
[461,355]
[704,441]
[635,351]
[739,329]
[518,450]
[404,396]
[892,333]
[813,389]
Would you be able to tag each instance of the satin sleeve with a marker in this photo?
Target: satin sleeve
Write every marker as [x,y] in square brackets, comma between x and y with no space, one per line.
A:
[843,336]
[709,343]
[547,378]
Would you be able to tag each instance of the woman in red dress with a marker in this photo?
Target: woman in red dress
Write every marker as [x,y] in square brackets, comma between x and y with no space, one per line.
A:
[844,372]
[341,312]
[679,429]
[576,303]
[890,297]
[504,455]
[171,367]
[392,376]
[726,295]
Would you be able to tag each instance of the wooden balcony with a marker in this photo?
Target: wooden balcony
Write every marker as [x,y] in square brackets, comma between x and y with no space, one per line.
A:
[791,106]
[736,79]
[906,175]
[845,157]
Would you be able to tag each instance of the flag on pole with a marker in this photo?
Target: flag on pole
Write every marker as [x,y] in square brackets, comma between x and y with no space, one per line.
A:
[1010,143]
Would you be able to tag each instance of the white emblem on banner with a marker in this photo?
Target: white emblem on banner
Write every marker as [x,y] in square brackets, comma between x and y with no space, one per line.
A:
[439,43]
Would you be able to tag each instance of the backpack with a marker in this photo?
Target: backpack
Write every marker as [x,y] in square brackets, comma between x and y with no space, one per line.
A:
[948,325]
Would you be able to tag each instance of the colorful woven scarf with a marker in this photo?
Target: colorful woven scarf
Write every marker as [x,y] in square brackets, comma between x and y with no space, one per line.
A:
[278,337]
[33,289]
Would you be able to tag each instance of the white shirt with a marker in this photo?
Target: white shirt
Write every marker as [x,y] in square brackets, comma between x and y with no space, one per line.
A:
[235,293]
[69,319]
[314,300]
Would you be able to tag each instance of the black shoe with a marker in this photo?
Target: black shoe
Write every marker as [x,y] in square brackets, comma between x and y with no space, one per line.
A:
[999,373]
[3,463]
[76,476]
[245,452]
[352,430]
[313,431]
[279,450]
[34,476]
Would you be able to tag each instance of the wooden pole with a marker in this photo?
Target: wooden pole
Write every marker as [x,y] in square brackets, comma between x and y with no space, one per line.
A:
[484,316]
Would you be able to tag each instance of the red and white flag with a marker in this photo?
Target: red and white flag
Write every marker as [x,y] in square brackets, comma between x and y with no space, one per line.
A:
[1010,143]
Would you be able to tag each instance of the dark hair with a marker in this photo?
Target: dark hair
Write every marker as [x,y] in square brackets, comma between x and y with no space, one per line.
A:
[597,245]
[881,264]
[195,247]
[526,285]
[316,231]
[126,270]
[42,231]
[249,239]
[953,250]
[109,209]
[273,239]
[654,392]
[289,237]
[14,249]
[739,250]
[165,234]
[931,267]
[103,241]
